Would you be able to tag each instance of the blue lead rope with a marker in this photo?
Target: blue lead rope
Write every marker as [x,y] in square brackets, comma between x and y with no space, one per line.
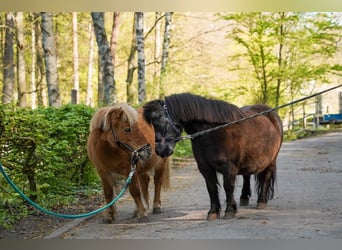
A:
[75,216]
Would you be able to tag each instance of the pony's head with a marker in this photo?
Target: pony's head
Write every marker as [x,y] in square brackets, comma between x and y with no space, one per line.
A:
[166,130]
[120,127]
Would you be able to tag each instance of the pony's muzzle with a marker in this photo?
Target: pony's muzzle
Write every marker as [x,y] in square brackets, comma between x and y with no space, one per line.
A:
[164,150]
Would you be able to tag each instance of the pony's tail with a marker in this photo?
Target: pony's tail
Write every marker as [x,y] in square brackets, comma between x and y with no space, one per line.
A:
[267,177]
[167,174]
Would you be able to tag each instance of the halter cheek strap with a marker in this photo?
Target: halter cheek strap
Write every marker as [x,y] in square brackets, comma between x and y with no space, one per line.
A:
[173,125]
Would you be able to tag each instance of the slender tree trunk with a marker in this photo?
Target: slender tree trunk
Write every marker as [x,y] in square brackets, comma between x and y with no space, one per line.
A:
[21,65]
[131,67]
[157,55]
[141,56]
[264,82]
[8,61]
[115,34]
[90,94]
[165,53]
[33,64]
[107,66]
[49,46]
[75,92]
[100,86]
[157,48]
[280,58]
[41,86]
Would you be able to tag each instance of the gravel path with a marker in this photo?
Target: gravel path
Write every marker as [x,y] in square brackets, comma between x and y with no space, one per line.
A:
[307,204]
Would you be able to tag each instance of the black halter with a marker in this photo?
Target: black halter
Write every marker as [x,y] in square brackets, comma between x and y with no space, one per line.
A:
[134,152]
[171,122]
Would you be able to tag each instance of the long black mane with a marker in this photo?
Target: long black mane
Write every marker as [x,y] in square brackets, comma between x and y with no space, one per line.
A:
[189,107]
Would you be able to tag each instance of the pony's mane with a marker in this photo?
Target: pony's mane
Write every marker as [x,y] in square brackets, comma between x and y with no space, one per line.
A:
[188,107]
[101,118]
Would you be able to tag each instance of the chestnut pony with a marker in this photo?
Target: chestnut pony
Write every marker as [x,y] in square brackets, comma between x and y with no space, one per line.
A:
[118,133]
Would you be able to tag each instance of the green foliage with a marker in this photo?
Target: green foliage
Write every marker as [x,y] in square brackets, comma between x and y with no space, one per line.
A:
[286,51]
[183,149]
[59,166]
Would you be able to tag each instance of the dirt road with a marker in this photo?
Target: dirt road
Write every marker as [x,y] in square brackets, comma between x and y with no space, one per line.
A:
[307,204]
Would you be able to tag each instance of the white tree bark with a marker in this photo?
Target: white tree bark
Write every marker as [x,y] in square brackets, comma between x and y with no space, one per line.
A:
[49,47]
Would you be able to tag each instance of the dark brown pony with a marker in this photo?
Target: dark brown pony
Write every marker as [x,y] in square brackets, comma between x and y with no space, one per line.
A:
[245,148]
[115,133]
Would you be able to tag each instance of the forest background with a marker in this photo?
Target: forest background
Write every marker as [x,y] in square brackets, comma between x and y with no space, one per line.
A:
[52,61]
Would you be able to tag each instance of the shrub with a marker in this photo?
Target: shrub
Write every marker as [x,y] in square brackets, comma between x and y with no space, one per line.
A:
[44,152]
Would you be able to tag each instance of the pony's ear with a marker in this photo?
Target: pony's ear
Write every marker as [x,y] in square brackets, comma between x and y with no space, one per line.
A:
[150,108]
[112,114]
[147,114]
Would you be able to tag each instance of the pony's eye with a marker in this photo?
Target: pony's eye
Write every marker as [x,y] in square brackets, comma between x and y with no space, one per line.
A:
[128,130]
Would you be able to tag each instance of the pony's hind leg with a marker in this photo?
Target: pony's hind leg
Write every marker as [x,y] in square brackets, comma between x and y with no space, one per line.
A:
[158,181]
[265,182]
[246,191]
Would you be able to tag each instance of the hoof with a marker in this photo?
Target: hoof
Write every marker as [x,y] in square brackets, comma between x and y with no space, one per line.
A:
[157,210]
[106,220]
[143,219]
[212,216]
[229,214]
[261,205]
[244,202]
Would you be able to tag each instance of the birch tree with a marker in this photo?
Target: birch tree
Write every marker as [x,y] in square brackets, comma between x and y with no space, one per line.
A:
[49,47]
[106,62]
[157,46]
[139,23]
[76,90]
[90,94]
[130,65]
[115,34]
[33,65]
[39,83]
[8,61]
[21,65]
[165,52]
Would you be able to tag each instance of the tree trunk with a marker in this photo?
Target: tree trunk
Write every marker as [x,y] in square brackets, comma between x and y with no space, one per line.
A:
[90,94]
[157,48]
[40,85]
[33,64]
[139,22]
[76,89]
[131,67]
[8,61]
[107,66]
[21,72]
[165,53]
[115,34]
[49,47]
[281,37]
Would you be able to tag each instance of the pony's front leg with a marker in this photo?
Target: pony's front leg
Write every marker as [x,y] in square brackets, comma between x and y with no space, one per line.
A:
[229,185]
[108,184]
[134,189]
[211,181]
[246,191]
